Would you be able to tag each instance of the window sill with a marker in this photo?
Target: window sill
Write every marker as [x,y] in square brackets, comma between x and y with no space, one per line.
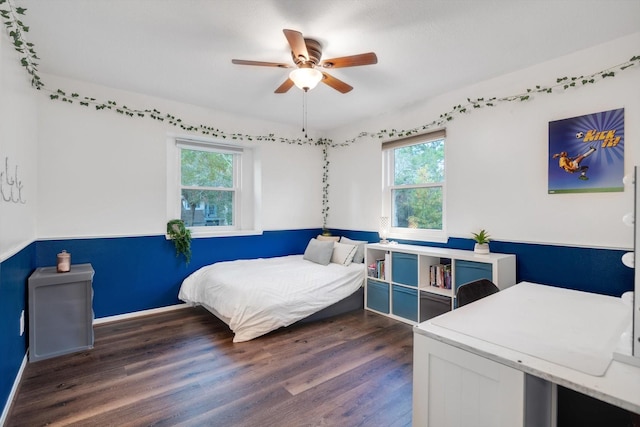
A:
[424,236]
[196,234]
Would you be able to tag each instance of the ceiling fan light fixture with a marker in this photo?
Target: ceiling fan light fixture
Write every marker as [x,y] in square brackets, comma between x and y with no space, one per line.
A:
[305,78]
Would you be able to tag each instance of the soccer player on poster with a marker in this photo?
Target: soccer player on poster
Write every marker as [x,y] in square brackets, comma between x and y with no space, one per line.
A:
[572,164]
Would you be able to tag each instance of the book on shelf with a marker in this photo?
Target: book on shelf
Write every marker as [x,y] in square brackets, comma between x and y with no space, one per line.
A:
[440,276]
[377,269]
[380,268]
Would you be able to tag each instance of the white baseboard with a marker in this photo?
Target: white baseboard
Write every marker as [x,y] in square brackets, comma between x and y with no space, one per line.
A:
[125,316]
[14,389]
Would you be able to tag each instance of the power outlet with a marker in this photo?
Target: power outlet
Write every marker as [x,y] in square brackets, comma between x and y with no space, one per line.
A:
[22,323]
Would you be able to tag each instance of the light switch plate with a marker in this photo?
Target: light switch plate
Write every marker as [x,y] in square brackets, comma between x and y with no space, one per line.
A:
[22,323]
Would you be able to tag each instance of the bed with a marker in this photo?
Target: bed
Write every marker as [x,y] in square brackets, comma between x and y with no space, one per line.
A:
[257,296]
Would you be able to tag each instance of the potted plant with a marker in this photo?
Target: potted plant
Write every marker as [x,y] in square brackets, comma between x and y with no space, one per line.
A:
[482,240]
[181,237]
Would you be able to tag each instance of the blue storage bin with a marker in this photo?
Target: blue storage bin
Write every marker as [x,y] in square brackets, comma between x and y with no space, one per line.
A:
[404,268]
[405,302]
[378,296]
[468,271]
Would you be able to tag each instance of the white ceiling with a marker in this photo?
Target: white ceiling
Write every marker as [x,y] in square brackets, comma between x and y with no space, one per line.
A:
[182,49]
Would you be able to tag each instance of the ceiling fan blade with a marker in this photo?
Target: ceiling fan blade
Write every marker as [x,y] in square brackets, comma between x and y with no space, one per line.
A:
[298,46]
[260,63]
[337,84]
[284,87]
[350,61]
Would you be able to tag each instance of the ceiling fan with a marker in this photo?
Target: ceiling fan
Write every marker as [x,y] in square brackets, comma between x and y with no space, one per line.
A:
[306,54]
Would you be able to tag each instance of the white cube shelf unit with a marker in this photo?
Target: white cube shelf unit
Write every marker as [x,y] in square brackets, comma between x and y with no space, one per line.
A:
[415,283]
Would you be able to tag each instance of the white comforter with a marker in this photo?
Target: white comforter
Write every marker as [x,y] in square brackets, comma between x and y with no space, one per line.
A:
[260,295]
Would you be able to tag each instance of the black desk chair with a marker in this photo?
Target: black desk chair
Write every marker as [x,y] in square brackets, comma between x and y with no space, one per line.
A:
[473,291]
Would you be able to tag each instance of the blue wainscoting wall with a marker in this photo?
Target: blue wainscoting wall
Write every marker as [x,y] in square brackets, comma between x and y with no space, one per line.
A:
[14,272]
[139,273]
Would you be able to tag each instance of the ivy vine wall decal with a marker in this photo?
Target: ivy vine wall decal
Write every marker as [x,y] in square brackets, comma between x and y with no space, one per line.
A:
[10,185]
[16,29]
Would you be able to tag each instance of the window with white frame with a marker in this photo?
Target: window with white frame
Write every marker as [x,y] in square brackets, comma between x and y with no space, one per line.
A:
[414,186]
[214,187]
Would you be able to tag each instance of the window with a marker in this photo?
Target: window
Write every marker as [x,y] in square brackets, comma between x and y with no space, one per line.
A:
[208,186]
[213,187]
[414,186]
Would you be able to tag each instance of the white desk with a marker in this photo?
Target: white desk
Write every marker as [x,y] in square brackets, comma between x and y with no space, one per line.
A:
[496,362]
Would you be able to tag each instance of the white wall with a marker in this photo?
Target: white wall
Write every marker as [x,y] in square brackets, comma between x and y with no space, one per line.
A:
[103,174]
[497,157]
[18,133]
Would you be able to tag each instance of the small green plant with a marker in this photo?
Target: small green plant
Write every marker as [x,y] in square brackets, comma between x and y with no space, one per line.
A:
[181,237]
[482,237]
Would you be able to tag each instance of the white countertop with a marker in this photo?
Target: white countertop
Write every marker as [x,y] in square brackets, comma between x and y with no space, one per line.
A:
[564,336]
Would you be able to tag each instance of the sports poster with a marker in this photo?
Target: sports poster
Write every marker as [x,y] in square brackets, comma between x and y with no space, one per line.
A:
[586,153]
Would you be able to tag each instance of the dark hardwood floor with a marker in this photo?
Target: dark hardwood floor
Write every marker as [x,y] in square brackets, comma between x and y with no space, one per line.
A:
[182,368]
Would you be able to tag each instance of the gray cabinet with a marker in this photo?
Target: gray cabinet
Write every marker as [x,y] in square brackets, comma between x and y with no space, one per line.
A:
[60,311]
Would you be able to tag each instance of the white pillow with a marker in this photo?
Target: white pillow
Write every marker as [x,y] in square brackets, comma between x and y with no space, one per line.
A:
[359,256]
[342,253]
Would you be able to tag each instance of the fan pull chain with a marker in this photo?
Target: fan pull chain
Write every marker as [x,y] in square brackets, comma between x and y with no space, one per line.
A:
[304,113]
